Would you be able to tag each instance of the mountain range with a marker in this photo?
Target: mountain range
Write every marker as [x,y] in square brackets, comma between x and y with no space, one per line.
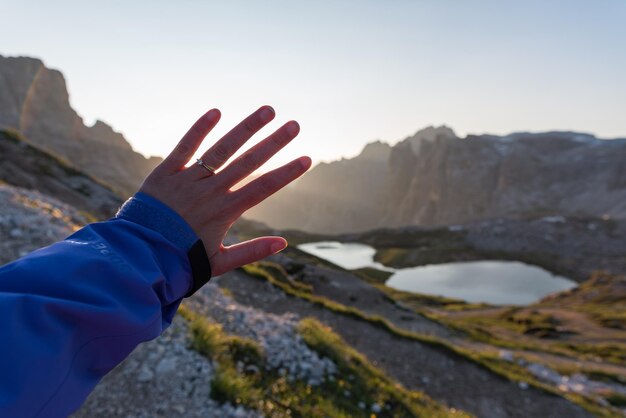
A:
[436,178]
[431,178]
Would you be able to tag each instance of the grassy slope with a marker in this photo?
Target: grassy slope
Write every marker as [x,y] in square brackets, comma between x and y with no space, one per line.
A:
[487,358]
[271,393]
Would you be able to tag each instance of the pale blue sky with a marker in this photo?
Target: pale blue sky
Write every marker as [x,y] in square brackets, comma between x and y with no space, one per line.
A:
[349,71]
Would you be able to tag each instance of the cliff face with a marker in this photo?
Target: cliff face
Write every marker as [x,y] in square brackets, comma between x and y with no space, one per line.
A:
[34,101]
[436,178]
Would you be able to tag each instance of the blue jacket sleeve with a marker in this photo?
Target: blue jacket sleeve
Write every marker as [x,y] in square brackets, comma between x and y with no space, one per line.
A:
[72,311]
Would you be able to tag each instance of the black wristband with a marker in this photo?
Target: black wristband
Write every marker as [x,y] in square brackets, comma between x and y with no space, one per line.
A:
[200,267]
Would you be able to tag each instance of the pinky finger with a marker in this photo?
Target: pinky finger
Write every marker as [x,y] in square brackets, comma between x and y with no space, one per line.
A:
[229,258]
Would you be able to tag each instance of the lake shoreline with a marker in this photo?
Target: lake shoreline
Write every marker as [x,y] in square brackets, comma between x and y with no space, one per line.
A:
[491,282]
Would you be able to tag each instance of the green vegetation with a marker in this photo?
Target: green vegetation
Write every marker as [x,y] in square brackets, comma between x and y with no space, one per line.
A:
[475,327]
[48,159]
[602,298]
[274,395]
[418,302]
[49,163]
[13,135]
[260,270]
[533,322]
[617,399]
[278,273]
[519,329]
[602,376]
[614,353]
[372,275]
[363,381]
[226,292]
[396,257]
[556,325]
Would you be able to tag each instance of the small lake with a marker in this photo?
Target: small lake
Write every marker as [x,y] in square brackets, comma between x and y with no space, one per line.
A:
[494,282]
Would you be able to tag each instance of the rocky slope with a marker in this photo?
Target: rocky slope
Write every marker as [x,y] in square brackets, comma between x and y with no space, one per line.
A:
[165,378]
[24,165]
[162,378]
[31,220]
[34,101]
[436,178]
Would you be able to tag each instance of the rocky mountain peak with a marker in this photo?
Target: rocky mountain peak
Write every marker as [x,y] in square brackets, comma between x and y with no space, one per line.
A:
[376,151]
[101,131]
[34,101]
[429,134]
[435,178]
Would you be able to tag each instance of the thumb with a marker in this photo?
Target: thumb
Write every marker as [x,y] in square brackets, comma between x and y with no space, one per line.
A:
[237,255]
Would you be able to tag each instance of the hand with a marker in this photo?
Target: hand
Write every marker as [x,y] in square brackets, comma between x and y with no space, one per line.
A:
[206,202]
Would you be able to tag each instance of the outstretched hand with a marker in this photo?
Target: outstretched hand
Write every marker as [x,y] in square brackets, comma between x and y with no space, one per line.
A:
[206,201]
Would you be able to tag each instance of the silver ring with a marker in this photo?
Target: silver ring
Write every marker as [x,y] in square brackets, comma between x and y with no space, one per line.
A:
[205,165]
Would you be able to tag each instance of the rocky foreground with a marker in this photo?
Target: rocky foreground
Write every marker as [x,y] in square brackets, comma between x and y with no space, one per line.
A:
[30,220]
[164,377]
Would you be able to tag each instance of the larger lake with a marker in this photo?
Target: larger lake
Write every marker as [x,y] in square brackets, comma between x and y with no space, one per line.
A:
[494,282]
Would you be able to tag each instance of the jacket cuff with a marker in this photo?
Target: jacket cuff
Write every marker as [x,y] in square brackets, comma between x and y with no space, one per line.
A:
[147,211]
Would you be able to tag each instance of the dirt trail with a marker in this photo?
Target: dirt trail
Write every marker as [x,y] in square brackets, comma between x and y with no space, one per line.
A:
[448,378]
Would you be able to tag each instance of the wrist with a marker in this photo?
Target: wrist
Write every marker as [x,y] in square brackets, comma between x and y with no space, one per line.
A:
[150,212]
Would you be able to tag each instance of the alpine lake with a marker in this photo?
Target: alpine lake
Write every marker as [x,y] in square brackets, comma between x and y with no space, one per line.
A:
[492,282]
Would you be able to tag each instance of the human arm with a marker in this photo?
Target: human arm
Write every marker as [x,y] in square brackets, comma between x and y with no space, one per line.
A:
[74,310]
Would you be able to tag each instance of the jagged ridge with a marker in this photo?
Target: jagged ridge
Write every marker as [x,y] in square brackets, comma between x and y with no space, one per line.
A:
[437,178]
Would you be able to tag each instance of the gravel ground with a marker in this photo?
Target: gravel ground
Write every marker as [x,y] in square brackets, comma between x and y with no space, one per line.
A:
[31,220]
[161,378]
[284,349]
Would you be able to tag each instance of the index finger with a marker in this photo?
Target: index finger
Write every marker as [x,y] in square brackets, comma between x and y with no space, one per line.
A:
[189,143]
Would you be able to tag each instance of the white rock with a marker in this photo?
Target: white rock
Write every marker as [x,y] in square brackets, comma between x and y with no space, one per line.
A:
[145,375]
[166,365]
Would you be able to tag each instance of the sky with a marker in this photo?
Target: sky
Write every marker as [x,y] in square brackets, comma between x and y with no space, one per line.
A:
[350,72]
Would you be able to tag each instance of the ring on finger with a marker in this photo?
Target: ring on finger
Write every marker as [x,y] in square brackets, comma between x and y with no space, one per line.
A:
[205,165]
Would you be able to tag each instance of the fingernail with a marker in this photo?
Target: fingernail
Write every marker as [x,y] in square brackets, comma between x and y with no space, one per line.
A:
[305,162]
[293,128]
[212,114]
[277,246]
[267,113]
